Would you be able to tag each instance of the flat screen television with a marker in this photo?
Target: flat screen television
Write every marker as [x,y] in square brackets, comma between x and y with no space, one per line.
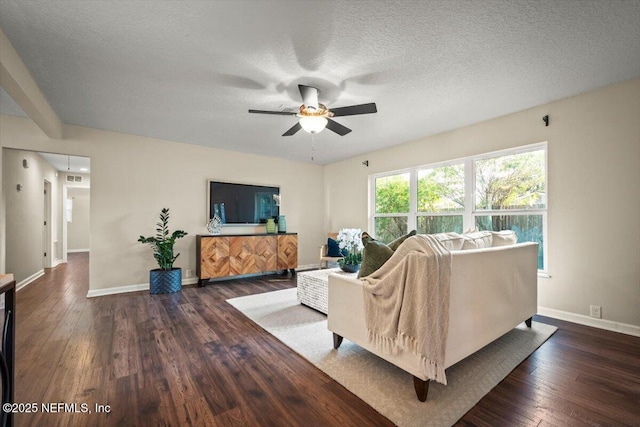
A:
[243,203]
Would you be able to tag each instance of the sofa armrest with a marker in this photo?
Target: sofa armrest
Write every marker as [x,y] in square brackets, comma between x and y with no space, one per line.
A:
[346,306]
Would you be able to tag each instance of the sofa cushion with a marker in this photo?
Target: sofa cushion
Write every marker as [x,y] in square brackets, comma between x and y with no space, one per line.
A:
[376,253]
[477,240]
[332,248]
[504,238]
[451,241]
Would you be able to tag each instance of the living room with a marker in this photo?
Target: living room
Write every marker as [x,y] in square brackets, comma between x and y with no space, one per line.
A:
[593,143]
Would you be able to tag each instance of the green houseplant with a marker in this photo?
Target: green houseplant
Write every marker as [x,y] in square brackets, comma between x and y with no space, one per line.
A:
[165,279]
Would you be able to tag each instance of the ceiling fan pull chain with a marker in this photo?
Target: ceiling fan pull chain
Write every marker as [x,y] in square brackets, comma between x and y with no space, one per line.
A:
[313,148]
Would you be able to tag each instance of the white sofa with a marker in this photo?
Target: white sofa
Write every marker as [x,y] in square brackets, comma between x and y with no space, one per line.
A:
[492,290]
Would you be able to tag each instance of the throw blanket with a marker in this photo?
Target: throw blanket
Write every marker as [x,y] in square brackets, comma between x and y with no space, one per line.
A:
[407,303]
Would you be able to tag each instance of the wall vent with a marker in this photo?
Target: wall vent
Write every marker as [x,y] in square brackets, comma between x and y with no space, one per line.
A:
[74,178]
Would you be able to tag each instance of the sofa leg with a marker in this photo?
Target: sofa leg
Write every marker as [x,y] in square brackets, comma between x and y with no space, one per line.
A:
[422,388]
[337,340]
[528,322]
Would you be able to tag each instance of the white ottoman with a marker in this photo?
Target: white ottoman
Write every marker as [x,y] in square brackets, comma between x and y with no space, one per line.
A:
[313,287]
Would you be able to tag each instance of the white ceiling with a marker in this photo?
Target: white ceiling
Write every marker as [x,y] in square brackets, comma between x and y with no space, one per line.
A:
[188,71]
[64,163]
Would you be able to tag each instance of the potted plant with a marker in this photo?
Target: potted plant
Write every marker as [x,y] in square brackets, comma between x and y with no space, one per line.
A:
[165,279]
[350,244]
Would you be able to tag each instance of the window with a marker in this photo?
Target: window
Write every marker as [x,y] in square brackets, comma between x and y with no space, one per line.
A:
[511,194]
[498,191]
[69,208]
[392,204]
[440,199]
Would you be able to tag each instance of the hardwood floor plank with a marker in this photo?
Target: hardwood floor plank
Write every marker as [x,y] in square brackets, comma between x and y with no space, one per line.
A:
[192,359]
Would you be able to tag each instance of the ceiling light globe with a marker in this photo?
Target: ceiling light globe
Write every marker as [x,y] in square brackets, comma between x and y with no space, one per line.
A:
[313,124]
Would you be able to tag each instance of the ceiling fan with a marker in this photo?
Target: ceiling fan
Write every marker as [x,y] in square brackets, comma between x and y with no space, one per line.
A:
[314,117]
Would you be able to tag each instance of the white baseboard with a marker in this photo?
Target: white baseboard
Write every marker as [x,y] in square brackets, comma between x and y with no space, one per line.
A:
[29,279]
[57,263]
[581,319]
[73,251]
[131,288]
[145,286]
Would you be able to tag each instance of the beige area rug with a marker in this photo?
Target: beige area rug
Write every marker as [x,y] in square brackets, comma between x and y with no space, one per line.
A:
[385,387]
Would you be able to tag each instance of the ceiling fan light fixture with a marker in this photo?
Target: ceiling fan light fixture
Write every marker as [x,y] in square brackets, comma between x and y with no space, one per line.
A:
[313,124]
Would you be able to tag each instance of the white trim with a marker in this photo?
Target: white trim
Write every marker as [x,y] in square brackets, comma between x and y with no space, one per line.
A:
[73,251]
[29,279]
[185,281]
[581,319]
[118,290]
[131,288]
[57,263]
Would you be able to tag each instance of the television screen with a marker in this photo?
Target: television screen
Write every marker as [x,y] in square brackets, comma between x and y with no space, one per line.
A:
[243,203]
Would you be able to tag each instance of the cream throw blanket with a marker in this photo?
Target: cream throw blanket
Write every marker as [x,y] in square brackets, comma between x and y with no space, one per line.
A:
[407,303]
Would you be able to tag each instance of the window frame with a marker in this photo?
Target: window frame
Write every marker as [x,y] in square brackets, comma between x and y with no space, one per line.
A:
[470,211]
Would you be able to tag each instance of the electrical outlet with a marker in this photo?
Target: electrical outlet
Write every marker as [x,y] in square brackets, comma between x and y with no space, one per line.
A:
[188,273]
[596,311]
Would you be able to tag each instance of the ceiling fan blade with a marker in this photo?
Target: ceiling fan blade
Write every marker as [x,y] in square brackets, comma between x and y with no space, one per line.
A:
[309,96]
[280,113]
[337,127]
[295,128]
[354,110]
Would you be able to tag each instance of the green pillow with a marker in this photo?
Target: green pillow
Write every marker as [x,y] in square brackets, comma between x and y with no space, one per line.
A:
[394,245]
[376,253]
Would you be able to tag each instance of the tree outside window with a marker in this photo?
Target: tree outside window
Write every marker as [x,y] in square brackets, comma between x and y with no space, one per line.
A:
[511,194]
[392,206]
[440,199]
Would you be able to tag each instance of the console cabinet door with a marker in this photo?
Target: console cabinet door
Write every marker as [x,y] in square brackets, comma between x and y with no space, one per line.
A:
[242,255]
[266,253]
[214,257]
[287,251]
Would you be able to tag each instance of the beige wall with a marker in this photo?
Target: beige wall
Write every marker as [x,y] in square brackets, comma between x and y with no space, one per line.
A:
[24,212]
[78,228]
[132,178]
[594,192]
[594,173]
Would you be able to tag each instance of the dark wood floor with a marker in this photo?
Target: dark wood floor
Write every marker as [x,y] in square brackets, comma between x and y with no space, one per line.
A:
[192,359]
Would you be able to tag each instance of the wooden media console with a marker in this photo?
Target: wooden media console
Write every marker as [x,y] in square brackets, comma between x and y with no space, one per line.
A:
[233,255]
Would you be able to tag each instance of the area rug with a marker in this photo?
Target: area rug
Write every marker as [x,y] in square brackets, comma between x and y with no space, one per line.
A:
[386,388]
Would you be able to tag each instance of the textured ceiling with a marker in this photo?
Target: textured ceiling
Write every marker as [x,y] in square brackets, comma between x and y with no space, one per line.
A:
[189,71]
[8,105]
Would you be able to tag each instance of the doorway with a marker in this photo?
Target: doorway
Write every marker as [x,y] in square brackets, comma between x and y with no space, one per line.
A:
[33,185]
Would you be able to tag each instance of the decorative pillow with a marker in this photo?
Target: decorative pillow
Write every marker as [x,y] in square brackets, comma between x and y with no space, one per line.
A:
[376,253]
[451,241]
[504,238]
[397,242]
[477,240]
[332,248]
